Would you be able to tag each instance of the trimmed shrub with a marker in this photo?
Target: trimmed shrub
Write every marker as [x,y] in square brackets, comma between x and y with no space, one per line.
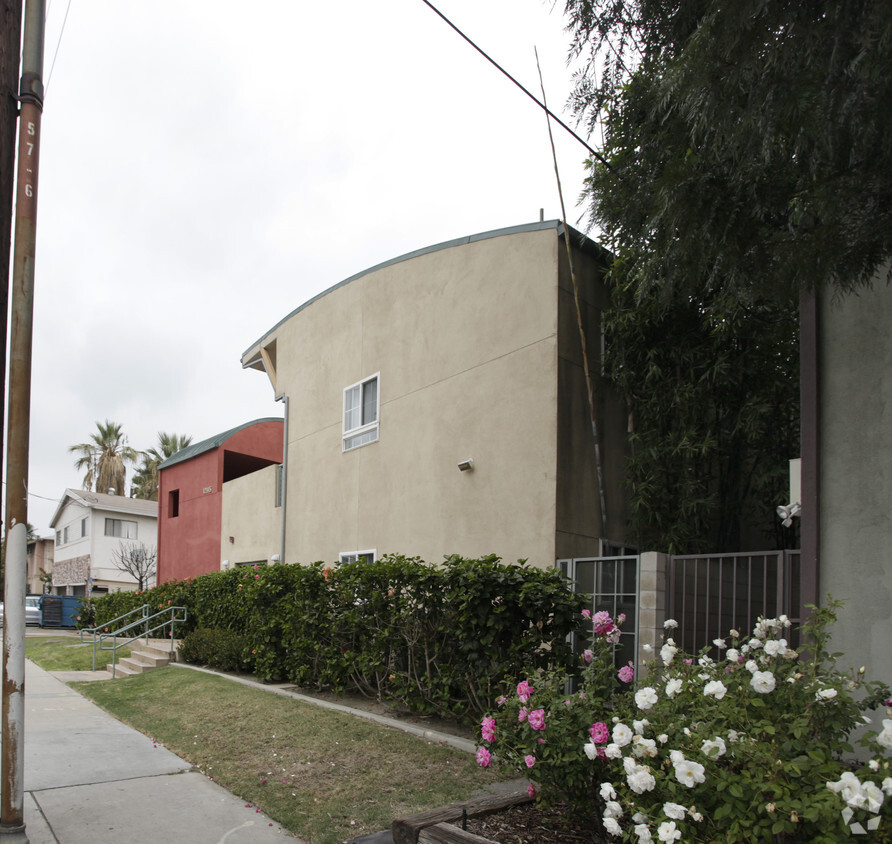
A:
[434,639]
[223,649]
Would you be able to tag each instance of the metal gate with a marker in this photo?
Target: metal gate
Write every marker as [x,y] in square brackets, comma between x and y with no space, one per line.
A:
[612,584]
[710,594]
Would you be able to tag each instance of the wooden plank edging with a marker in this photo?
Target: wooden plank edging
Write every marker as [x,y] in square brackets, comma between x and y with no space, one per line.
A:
[407,830]
[446,833]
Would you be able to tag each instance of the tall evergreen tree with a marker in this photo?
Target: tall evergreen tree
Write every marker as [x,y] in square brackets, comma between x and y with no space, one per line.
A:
[747,144]
[747,155]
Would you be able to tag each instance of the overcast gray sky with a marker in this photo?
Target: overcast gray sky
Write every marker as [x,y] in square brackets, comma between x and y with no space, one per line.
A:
[206,167]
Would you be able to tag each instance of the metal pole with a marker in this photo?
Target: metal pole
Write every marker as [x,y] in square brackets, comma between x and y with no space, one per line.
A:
[284,485]
[12,763]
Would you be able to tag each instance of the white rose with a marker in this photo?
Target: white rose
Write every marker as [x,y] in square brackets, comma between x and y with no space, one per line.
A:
[612,827]
[667,832]
[674,811]
[613,809]
[716,688]
[690,773]
[643,833]
[714,748]
[622,735]
[645,698]
[763,682]
[776,647]
[885,736]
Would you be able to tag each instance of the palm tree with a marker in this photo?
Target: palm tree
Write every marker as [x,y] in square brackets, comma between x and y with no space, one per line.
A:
[145,479]
[104,457]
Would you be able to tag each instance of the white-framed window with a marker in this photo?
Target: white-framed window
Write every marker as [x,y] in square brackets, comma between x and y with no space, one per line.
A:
[120,528]
[361,406]
[66,535]
[346,557]
[85,527]
[58,538]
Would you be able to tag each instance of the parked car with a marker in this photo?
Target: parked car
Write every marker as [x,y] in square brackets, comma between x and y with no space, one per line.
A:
[32,610]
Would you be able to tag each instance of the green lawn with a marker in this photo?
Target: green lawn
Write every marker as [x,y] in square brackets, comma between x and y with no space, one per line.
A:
[66,653]
[325,776]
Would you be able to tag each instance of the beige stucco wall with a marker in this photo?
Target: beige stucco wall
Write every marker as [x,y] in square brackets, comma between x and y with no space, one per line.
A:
[856,474]
[464,339]
[251,524]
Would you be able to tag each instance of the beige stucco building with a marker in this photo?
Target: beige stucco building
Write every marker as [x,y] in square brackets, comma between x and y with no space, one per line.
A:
[436,404]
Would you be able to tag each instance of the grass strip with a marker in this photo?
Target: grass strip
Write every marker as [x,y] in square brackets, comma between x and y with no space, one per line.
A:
[324,776]
[67,653]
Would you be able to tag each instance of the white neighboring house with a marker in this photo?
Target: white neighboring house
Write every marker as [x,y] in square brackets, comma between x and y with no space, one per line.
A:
[90,528]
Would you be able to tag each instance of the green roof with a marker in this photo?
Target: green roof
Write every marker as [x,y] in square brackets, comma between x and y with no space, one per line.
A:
[211,443]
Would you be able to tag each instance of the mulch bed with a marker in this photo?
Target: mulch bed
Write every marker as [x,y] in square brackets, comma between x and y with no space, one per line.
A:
[532,824]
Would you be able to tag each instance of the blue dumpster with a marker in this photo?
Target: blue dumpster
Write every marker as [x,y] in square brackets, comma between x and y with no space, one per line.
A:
[59,610]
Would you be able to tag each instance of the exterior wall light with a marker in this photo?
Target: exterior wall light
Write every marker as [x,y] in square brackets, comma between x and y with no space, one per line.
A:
[466,465]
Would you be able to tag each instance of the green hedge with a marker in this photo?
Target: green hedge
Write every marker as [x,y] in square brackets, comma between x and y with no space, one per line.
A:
[223,649]
[435,639]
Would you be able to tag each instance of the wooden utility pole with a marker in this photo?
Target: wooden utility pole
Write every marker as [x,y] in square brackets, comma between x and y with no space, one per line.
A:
[10,50]
[12,691]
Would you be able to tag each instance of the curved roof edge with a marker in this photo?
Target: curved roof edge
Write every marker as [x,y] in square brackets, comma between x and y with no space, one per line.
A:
[581,240]
[212,442]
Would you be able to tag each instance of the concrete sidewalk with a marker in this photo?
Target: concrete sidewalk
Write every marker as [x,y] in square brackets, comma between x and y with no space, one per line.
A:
[89,779]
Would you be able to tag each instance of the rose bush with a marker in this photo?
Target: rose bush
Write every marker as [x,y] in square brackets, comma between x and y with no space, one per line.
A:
[750,742]
[532,726]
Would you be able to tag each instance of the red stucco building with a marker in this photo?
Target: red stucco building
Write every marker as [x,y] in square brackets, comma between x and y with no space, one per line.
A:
[190,494]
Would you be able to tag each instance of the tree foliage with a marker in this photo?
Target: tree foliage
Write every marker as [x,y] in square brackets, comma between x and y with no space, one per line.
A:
[138,560]
[104,457]
[145,479]
[713,395]
[748,145]
[747,155]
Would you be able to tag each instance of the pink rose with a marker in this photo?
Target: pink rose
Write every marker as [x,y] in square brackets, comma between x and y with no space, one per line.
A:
[627,673]
[531,791]
[588,656]
[488,729]
[521,716]
[599,733]
[484,757]
[602,622]
[536,719]
[530,760]
[524,691]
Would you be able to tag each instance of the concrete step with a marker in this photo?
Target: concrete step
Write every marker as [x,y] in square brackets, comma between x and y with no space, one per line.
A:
[150,656]
[146,656]
[128,667]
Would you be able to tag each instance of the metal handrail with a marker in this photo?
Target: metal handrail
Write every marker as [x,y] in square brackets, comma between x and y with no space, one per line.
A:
[144,610]
[143,622]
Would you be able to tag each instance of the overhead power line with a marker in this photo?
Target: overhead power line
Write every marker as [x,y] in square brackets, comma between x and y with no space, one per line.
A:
[502,70]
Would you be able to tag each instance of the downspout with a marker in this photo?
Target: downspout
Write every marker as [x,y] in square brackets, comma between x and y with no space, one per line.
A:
[284,399]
